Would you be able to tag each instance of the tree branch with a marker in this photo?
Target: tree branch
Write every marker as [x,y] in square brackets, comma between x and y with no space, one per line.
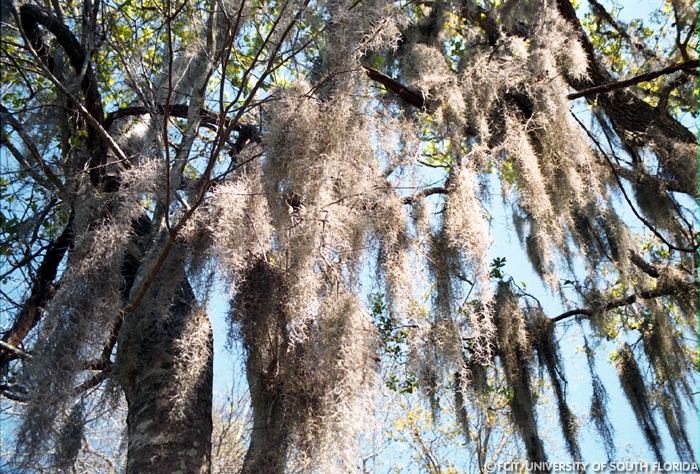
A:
[93,381]
[416,99]
[175,110]
[632,207]
[42,290]
[603,14]
[669,290]
[410,96]
[631,116]
[603,88]
[643,265]
[423,194]
[6,116]
[248,132]
[15,350]
[10,391]
[30,17]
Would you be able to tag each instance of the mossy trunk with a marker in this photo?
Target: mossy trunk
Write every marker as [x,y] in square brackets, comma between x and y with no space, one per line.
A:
[165,369]
[269,439]
[258,309]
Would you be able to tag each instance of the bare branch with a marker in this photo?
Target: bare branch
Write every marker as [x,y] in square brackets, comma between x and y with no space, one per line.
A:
[423,194]
[410,96]
[30,314]
[93,381]
[6,116]
[603,88]
[643,265]
[12,392]
[669,290]
[15,350]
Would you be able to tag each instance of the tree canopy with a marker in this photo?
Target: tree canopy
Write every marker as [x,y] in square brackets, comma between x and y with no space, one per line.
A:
[338,166]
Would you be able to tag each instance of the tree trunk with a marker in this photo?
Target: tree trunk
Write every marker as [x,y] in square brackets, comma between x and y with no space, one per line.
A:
[165,368]
[258,309]
[267,451]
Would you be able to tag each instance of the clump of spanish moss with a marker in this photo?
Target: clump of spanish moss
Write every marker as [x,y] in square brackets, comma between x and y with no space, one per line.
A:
[603,238]
[321,187]
[600,319]
[545,344]
[390,219]
[527,126]
[634,387]
[672,367]
[461,408]
[307,396]
[194,349]
[466,227]
[341,369]
[70,438]
[444,335]
[514,352]
[670,358]
[659,207]
[240,221]
[81,313]
[599,405]
[674,417]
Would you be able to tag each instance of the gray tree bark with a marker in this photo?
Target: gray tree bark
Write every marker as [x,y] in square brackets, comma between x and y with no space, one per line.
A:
[267,451]
[259,311]
[165,368]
